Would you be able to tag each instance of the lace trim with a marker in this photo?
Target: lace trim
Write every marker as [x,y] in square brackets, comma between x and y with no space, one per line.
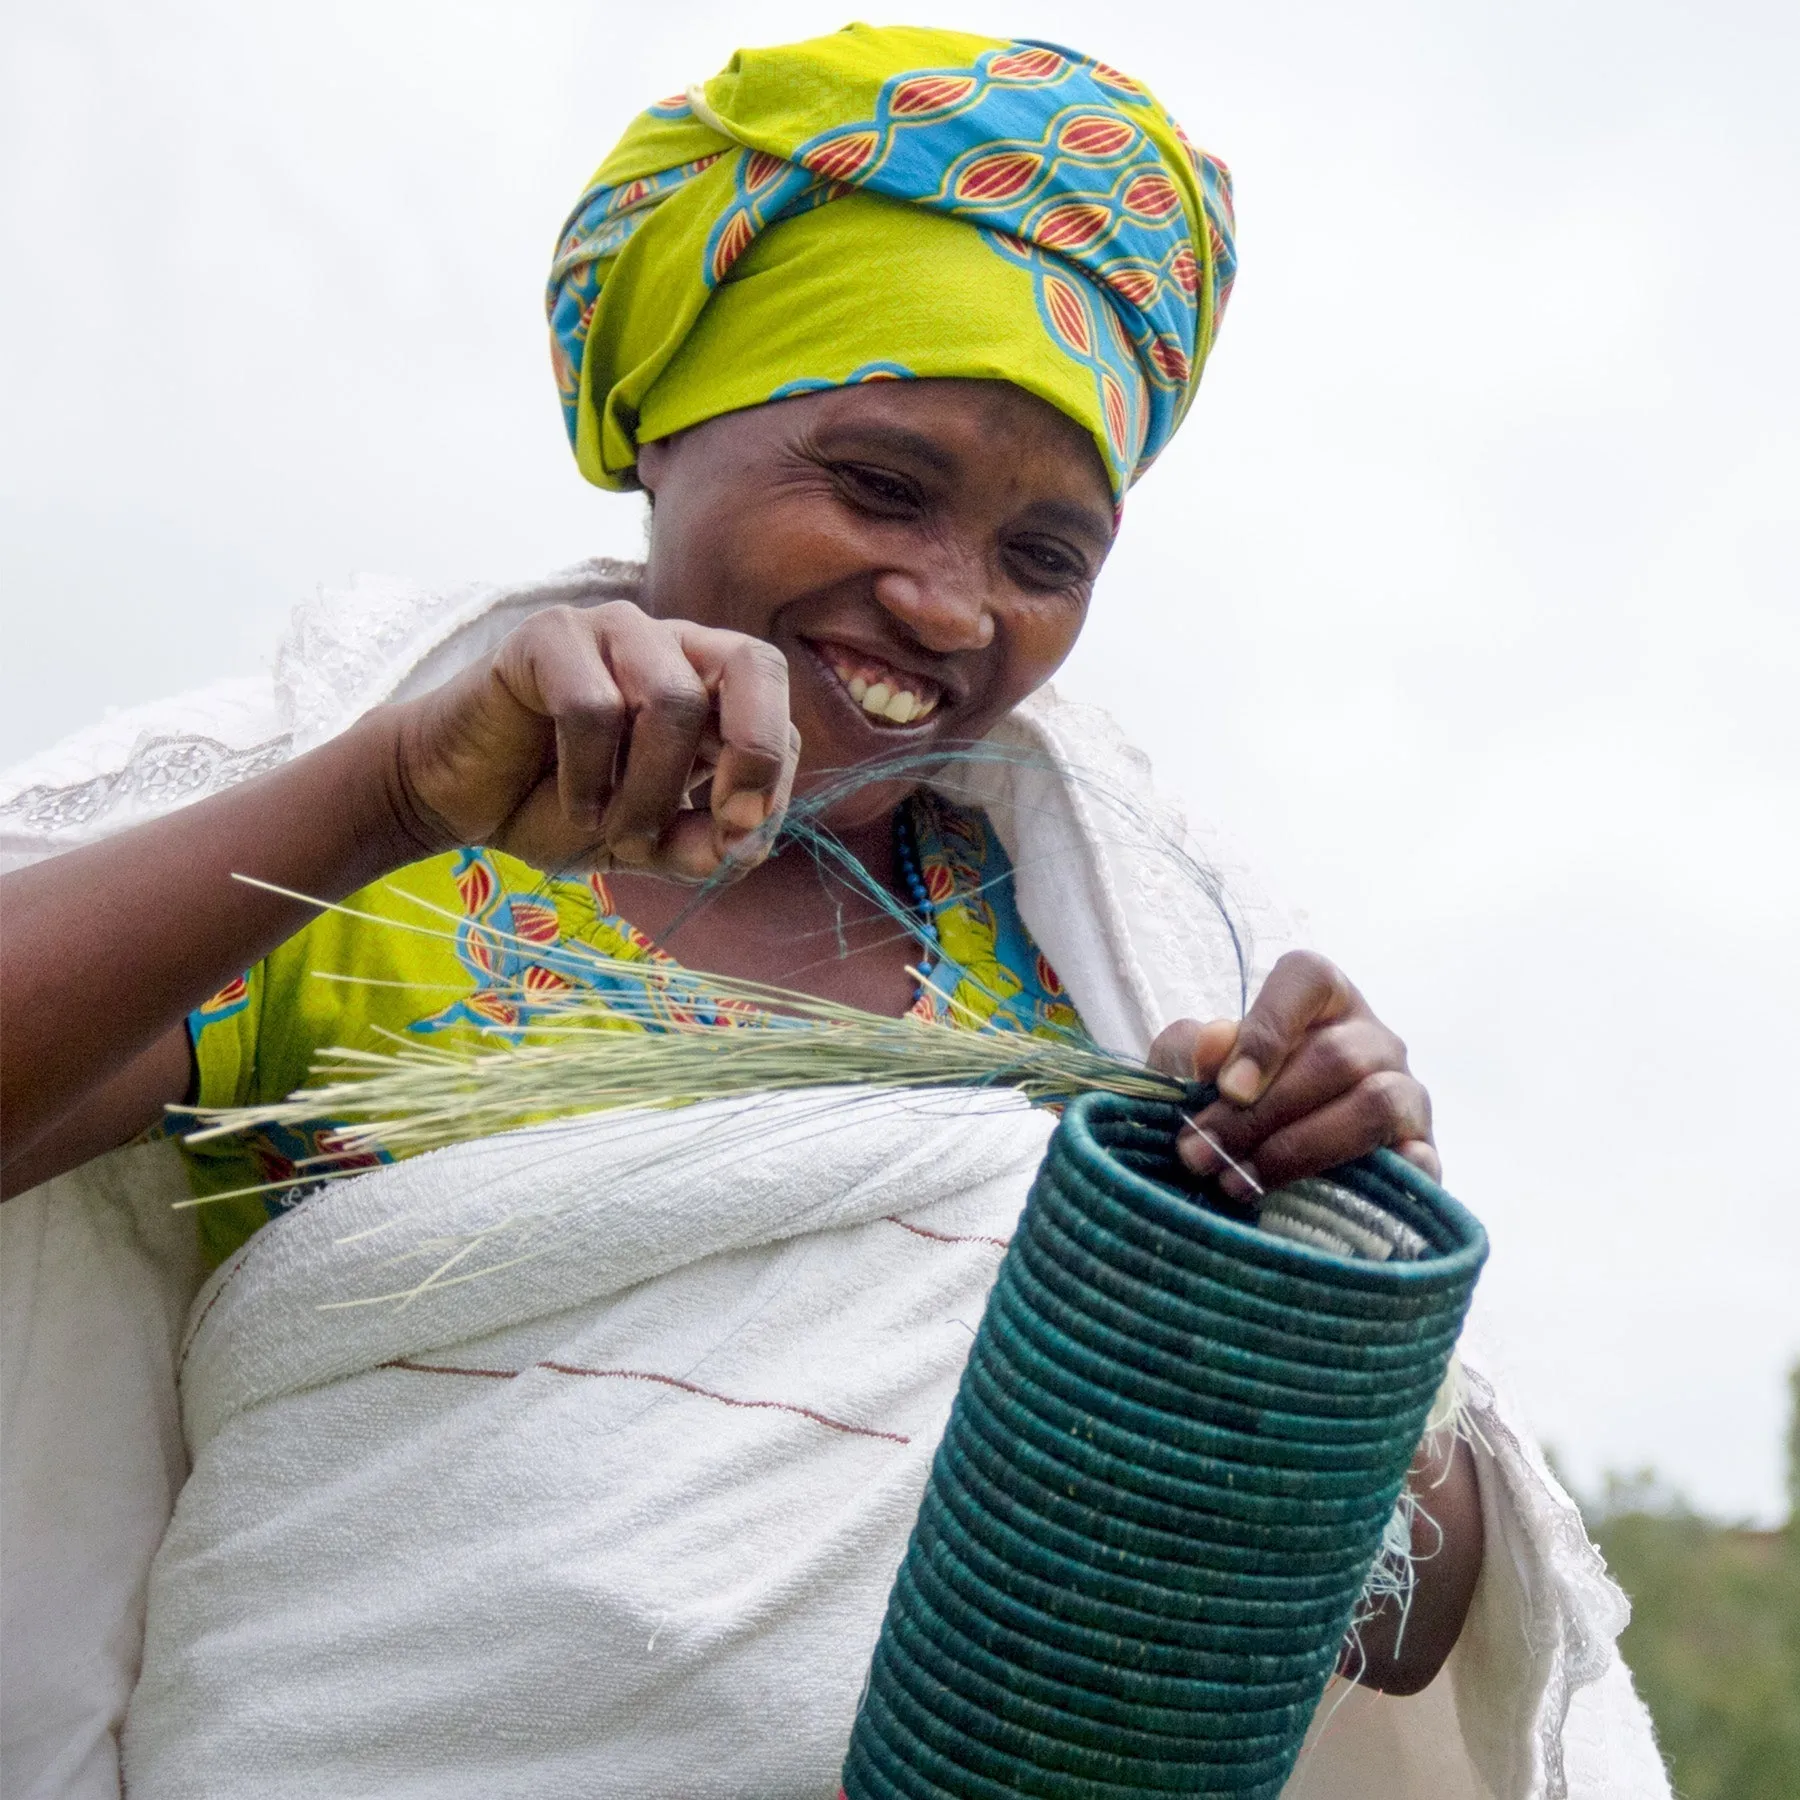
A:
[161,772]
[346,650]
[353,647]
[1574,1611]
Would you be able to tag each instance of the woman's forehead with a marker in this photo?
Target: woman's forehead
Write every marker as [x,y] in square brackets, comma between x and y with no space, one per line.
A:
[949,424]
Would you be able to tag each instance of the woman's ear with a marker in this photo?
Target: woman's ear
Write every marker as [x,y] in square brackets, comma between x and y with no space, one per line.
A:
[651,460]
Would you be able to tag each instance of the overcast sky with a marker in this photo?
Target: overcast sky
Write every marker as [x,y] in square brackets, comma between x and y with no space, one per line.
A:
[1465,603]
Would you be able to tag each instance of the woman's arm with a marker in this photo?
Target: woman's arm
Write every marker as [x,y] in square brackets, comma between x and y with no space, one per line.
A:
[106,949]
[1403,1646]
[1310,1078]
[574,746]
[114,1112]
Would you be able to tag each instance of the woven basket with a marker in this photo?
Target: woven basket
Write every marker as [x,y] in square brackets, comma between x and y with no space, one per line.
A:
[1165,1479]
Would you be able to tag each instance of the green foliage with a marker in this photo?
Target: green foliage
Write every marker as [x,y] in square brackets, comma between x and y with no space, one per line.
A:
[1714,1639]
[1793,1448]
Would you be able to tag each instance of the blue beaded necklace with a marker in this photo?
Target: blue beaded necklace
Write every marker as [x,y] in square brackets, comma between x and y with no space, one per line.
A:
[918,898]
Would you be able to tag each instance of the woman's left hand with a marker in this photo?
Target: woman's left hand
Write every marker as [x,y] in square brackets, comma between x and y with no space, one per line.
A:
[1309,1078]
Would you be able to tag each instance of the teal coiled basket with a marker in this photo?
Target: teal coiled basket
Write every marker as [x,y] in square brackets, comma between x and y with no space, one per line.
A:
[1176,1446]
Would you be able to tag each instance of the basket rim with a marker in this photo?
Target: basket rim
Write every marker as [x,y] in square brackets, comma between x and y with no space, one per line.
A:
[1456,1234]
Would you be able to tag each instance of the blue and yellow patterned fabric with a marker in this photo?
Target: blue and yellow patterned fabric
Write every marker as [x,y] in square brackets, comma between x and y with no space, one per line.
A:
[477,945]
[985,971]
[890,203]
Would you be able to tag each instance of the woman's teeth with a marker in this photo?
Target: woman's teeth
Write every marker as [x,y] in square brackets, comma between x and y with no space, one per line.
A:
[884,694]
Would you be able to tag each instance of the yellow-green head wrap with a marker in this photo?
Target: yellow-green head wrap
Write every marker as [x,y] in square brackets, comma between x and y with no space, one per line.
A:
[891,203]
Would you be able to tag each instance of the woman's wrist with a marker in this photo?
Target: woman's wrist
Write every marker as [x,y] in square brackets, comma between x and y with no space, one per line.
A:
[398,826]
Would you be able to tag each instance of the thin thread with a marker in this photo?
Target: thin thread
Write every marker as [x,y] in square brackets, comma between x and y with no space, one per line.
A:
[941,1237]
[671,1381]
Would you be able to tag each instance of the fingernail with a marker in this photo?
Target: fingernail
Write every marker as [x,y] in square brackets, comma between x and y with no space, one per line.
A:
[1241,1081]
[743,849]
[634,849]
[744,812]
[1198,1154]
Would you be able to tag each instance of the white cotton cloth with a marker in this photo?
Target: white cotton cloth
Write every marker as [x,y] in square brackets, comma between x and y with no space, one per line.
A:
[655,1560]
[96,1272]
[388,1581]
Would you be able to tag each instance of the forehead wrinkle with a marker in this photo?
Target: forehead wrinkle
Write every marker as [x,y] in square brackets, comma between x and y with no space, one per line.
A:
[900,439]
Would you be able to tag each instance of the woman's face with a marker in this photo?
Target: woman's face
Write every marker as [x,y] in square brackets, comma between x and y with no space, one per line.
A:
[921,551]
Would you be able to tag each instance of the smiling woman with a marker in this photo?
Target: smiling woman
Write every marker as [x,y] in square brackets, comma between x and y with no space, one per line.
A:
[885,324]
[974,516]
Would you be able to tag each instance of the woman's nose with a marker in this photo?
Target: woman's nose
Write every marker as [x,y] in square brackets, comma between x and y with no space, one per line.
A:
[946,611]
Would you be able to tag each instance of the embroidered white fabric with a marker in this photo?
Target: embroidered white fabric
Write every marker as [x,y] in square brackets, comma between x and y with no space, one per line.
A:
[1534,1702]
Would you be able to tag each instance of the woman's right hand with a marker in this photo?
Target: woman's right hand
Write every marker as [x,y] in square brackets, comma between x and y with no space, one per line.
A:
[576,745]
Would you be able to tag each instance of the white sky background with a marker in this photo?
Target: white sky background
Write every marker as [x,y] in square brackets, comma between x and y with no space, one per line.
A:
[1465,603]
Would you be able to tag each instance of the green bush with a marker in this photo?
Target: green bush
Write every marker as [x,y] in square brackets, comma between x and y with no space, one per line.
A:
[1714,1639]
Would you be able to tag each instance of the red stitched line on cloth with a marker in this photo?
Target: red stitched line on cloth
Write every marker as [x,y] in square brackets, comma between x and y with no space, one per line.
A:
[419,1368]
[225,1281]
[673,1381]
[941,1237]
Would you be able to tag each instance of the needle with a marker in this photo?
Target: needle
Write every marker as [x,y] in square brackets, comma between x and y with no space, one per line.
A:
[1237,1168]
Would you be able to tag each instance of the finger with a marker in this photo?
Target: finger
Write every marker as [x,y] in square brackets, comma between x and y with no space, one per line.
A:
[1302,990]
[751,850]
[1331,1060]
[1191,1051]
[1422,1154]
[538,831]
[690,848]
[1388,1108]
[669,706]
[560,672]
[706,761]
[749,679]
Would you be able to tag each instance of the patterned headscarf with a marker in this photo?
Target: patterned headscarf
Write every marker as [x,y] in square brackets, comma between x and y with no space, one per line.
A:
[888,203]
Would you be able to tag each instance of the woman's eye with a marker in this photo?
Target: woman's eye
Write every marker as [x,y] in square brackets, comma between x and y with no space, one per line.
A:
[1048,564]
[877,487]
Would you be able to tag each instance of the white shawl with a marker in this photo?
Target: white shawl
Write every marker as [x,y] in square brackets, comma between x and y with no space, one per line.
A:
[97,1274]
